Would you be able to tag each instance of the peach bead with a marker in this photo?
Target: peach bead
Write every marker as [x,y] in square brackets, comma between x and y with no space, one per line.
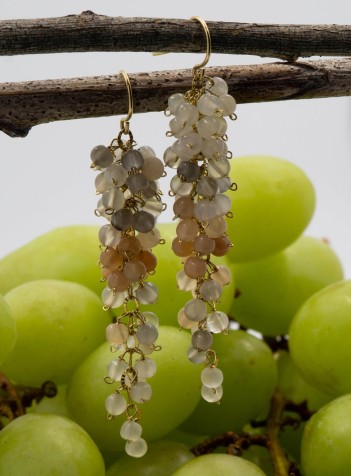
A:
[134,269]
[111,259]
[129,247]
[149,260]
[195,267]
[118,280]
[187,229]
[182,248]
[223,245]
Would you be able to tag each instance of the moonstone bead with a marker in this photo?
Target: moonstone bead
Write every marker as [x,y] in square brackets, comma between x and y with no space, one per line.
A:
[118,281]
[187,229]
[187,113]
[207,187]
[204,245]
[205,210]
[182,248]
[112,300]
[153,206]
[146,368]
[113,199]
[224,184]
[183,321]
[223,203]
[202,340]
[222,275]
[144,221]
[217,86]
[117,333]
[101,157]
[180,128]
[212,377]
[216,227]
[195,310]
[115,404]
[212,395]
[209,126]
[131,430]
[210,290]
[141,392]
[101,210]
[170,158]
[217,321]
[100,183]
[146,151]
[214,148]
[115,369]
[210,105]
[179,187]
[147,334]
[136,448]
[190,145]
[137,182]
[151,318]
[223,245]
[129,247]
[229,104]
[132,159]
[151,189]
[109,236]
[189,171]
[149,260]
[184,282]
[153,168]
[147,294]
[123,219]
[175,101]
[183,207]
[218,167]
[195,267]
[115,175]
[134,270]
[111,259]
[150,239]
[196,356]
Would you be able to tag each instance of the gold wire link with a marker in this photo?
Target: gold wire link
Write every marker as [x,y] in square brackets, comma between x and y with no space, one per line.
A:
[208,46]
[125,121]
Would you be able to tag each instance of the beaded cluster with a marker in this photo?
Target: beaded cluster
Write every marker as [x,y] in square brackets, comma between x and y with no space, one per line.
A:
[130,201]
[201,157]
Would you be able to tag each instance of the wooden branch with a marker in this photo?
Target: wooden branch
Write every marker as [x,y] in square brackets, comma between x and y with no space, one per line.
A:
[91,32]
[24,105]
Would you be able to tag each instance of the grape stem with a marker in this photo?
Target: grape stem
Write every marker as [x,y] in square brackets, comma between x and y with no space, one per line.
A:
[274,422]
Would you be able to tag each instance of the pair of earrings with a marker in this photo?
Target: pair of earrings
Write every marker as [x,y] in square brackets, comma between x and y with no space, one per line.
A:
[131,202]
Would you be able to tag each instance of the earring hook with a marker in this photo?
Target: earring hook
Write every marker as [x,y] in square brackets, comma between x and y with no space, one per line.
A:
[125,121]
[208,44]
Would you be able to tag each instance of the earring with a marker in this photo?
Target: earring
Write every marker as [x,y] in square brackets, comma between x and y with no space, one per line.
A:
[201,157]
[130,201]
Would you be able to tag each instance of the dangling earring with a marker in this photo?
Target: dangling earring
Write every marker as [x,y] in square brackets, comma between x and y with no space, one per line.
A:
[201,157]
[130,201]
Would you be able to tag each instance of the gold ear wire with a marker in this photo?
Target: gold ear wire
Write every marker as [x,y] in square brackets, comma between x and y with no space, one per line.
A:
[125,121]
[208,44]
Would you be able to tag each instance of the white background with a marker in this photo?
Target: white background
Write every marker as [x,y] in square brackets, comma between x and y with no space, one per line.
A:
[45,180]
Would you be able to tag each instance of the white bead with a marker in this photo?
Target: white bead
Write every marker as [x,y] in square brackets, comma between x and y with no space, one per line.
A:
[187,113]
[229,105]
[112,300]
[217,322]
[195,310]
[115,369]
[116,175]
[208,126]
[175,101]
[223,204]
[100,183]
[113,199]
[210,290]
[145,368]
[109,236]
[214,148]
[222,275]
[131,430]
[153,206]
[205,210]
[224,184]
[145,349]
[184,282]
[147,294]
[179,187]
[170,158]
[101,210]
[183,321]
[179,128]
[147,334]
[210,105]
[115,404]
[190,145]
[212,377]
[147,151]
[195,356]
[151,318]
[150,239]
[141,392]
[212,395]
[136,448]
[218,167]
[217,86]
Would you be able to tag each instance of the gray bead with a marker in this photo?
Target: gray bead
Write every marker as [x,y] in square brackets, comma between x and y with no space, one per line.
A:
[137,182]
[151,189]
[123,219]
[101,156]
[132,159]
[224,183]
[202,340]
[144,221]
[207,187]
[190,171]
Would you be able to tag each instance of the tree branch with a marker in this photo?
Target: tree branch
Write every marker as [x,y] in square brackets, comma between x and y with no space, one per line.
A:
[24,105]
[91,32]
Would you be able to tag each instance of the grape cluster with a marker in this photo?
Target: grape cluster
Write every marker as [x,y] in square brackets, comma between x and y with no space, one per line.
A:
[201,157]
[131,201]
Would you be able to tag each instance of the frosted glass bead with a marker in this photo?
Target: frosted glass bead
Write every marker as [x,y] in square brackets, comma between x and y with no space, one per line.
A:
[183,321]
[132,159]
[129,247]
[141,392]
[196,356]
[147,334]
[112,300]
[187,229]
[179,187]
[202,339]
[204,245]
[223,126]
[184,282]
[212,377]
[180,128]
[117,333]
[224,184]
[205,210]
[151,318]
[190,145]
[217,86]
[147,151]
[147,294]
[183,207]
[116,369]
[218,167]
[207,187]
[195,267]
[214,148]
[209,105]
[134,270]
[187,113]
[137,182]
[115,404]
[175,101]
[195,310]
[150,239]
[123,219]
[118,281]
[222,275]
[146,368]
[170,158]
[209,126]
[101,157]
[115,175]
[212,395]
[151,189]
[153,206]
[149,260]
[109,236]
[223,245]
[217,322]
[131,430]
[145,349]
[189,171]
[210,290]
[216,227]
[182,248]
[144,221]
[100,183]
[111,259]
[113,199]
[153,168]
[223,203]
[136,448]
[229,105]
[101,210]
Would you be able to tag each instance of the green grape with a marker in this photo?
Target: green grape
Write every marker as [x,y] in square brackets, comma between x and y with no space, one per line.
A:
[219,465]
[175,392]
[55,406]
[250,376]
[48,445]
[274,203]
[8,332]
[294,387]
[58,324]
[320,339]
[171,299]
[161,459]
[70,253]
[290,438]
[272,289]
[325,448]
[260,457]
[188,439]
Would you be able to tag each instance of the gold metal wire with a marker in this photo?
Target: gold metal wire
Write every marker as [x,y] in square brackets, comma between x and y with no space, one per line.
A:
[208,44]
[125,121]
